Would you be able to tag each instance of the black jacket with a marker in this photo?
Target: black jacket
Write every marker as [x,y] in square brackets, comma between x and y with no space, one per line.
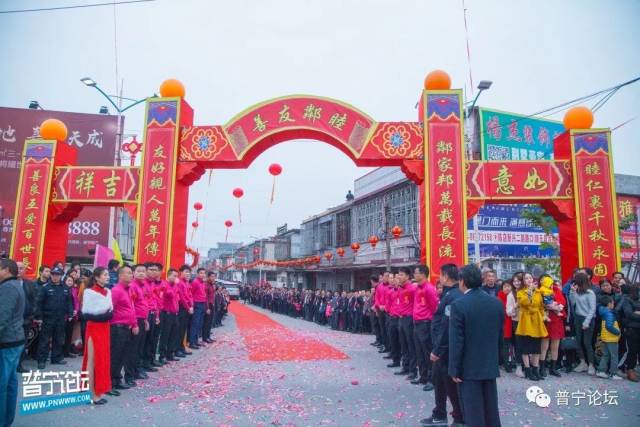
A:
[54,302]
[30,293]
[629,318]
[440,321]
[475,336]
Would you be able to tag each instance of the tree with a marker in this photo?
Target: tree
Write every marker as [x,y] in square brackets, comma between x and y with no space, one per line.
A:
[539,218]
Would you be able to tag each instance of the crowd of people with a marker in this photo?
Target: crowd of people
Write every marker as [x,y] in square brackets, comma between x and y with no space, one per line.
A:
[547,329]
[125,321]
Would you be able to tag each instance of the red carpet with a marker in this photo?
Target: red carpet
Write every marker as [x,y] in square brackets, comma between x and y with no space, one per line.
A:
[268,340]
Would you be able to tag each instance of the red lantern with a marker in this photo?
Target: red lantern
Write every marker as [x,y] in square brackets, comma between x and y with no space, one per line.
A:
[195,224]
[328,256]
[396,231]
[355,247]
[238,192]
[275,169]
[374,241]
[197,206]
[317,259]
[340,252]
[228,223]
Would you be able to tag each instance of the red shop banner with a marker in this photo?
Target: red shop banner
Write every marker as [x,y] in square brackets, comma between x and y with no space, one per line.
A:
[628,206]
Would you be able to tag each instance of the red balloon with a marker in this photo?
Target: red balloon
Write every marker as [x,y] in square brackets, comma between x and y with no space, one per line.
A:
[197,206]
[238,192]
[195,224]
[228,223]
[275,169]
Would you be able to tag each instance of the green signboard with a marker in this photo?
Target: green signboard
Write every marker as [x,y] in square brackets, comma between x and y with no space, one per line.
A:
[507,136]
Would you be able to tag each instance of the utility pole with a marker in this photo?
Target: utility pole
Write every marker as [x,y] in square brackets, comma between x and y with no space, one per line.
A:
[387,233]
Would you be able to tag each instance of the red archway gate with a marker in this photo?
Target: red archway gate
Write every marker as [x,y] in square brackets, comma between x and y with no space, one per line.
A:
[431,152]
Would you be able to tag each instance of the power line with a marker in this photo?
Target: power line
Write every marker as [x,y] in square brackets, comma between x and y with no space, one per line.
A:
[608,93]
[79,6]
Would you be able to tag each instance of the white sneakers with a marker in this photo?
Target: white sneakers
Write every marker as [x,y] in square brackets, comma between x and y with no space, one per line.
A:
[519,372]
[591,370]
[582,367]
[602,375]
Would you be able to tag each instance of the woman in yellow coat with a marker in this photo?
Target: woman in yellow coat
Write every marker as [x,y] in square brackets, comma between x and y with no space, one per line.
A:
[531,327]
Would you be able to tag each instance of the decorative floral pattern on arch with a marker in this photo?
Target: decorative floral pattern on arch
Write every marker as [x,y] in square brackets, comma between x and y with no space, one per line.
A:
[202,143]
[398,140]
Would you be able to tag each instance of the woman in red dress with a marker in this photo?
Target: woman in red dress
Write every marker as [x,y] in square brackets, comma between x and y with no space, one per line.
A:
[555,329]
[97,310]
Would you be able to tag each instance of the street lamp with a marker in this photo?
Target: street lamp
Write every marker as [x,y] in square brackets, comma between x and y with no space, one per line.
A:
[104,110]
[482,86]
[35,105]
[88,81]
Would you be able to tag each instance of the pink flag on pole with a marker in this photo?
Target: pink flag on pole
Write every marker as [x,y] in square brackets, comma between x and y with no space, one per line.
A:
[102,256]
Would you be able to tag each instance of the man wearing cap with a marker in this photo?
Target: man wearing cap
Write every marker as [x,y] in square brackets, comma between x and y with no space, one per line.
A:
[54,307]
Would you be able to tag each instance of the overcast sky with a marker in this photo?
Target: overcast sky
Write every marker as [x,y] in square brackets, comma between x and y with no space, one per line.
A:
[372,54]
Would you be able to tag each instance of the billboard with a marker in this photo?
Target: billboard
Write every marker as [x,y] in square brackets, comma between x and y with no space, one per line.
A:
[508,136]
[93,135]
[503,233]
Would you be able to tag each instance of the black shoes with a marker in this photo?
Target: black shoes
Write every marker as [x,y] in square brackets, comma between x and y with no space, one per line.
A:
[402,372]
[140,376]
[433,422]
[149,368]
[179,354]
[554,369]
[98,402]
[413,376]
[388,357]
[158,364]
[59,362]
[41,365]
[428,387]
[113,393]
[121,386]
[131,383]
[393,365]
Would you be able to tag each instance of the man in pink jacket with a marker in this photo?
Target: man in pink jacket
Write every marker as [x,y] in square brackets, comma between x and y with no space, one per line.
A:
[124,325]
[185,310]
[425,304]
[199,297]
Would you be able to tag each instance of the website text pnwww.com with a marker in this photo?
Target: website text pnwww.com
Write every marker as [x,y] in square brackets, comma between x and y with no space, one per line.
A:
[42,404]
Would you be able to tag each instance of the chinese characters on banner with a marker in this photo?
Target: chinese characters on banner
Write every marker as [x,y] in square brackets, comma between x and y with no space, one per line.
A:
[341,122]
[519,180]
[595,203]
[110,185]
[445,183]
[157,182]
[507,136]
[32,202]
[628,205]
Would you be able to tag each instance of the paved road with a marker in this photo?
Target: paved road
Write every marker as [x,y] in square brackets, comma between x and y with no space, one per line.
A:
[220,386]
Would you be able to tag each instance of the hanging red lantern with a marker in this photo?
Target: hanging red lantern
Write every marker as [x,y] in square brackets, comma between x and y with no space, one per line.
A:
[197,206]
[228,223]
[396,231]
[328,256]
[355,247]
[340,252]
[274,169]
[374,241]
[317,259]
[195,224]
[238,193]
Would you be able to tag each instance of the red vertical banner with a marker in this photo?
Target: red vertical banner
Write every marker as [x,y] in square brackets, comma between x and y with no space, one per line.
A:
[596,208]
[34,187]
[445,204]
[157,181]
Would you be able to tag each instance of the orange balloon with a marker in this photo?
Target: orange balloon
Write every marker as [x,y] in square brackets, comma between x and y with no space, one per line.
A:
[578,118]
[437,80]
[171,88]
[53,129]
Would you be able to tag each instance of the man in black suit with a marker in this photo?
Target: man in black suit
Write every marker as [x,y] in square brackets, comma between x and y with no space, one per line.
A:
[475,339]
[443,385]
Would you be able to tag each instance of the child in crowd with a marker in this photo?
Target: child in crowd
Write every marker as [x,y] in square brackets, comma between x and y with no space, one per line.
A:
[610,335]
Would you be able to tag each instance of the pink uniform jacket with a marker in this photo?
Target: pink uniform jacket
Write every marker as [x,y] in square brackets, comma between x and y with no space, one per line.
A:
[123,310]
[425,301]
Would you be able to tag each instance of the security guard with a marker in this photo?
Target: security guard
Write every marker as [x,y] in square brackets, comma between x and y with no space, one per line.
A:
[54,307]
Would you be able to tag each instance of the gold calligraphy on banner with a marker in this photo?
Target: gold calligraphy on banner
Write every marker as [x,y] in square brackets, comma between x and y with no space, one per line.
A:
[534,181]
[503,179]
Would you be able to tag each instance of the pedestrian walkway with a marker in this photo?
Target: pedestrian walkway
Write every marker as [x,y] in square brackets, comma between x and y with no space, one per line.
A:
[268,340]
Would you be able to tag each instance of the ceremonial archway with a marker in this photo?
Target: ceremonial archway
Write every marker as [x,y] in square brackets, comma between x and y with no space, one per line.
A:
[430,151]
